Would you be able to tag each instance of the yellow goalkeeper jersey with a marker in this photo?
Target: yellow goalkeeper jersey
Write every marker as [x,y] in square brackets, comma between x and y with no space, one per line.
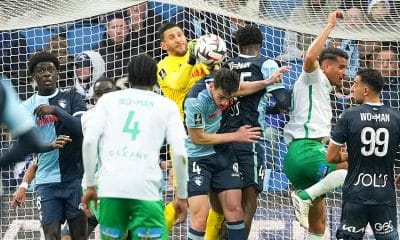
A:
[176,77]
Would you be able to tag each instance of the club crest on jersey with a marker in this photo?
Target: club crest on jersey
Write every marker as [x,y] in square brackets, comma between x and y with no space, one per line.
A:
[62,103]
[197,118]
[198,180]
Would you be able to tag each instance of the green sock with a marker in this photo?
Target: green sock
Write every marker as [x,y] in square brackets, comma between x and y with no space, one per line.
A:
[304,195]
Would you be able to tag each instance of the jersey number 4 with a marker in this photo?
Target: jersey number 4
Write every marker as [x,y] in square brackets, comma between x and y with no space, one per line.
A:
[130,126]
[375,141]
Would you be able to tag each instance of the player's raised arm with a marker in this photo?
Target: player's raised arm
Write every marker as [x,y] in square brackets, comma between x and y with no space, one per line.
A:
[247,88]
[316,47]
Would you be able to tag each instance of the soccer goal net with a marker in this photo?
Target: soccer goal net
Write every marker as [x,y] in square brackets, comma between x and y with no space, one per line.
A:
[120,29]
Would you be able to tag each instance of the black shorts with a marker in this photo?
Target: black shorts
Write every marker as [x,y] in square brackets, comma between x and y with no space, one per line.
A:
[59,201]
[216,172]
[355,217]
[250,157]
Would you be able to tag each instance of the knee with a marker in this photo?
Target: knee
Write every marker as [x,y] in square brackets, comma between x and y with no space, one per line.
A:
[198,221]
[233,212]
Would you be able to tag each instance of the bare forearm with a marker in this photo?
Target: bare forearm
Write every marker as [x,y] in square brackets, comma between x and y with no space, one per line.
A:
[318,44]
[247,88]
[30,173]
[212,139]
[315,49]
[333,154]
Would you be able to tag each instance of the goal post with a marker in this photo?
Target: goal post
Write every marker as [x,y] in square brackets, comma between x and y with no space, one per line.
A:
[369,33]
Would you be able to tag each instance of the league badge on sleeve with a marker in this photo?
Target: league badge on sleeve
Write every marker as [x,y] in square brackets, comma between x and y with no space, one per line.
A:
[197,118]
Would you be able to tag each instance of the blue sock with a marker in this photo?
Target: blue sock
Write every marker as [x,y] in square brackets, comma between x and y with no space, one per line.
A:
[236,230]
[195,235]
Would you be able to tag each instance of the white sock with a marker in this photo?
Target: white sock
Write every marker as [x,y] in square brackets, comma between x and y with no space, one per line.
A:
[329,183]
[314,236]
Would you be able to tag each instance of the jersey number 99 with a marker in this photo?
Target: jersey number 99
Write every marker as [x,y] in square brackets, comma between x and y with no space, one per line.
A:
[375,141]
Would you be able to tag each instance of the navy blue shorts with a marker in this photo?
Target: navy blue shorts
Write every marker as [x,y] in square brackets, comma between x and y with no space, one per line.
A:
[250,157]
[59,201]
[214,172]
[355,217]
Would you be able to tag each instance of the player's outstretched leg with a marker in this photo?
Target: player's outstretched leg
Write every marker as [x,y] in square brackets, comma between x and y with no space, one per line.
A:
[330,182]
[301,208]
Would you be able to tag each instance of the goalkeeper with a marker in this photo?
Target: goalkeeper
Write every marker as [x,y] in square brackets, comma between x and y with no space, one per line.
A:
[176,74]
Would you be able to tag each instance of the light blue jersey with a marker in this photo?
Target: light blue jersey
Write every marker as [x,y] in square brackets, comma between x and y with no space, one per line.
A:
[201,112]
[59,165]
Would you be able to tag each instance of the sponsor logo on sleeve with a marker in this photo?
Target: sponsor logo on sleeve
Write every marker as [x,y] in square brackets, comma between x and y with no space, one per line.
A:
[162,73]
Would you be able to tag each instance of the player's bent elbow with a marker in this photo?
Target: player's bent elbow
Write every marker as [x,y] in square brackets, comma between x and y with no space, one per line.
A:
[309,63]
[197,141]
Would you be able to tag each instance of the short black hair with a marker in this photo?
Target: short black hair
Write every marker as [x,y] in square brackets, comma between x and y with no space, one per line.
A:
[332,53]
[142,71]
[166,26]
[40,57]
[227,80]
[249,35]
[373,78]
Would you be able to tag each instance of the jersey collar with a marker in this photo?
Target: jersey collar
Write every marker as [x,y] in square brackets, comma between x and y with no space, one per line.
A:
[49,96]
[374,104]
[246,56]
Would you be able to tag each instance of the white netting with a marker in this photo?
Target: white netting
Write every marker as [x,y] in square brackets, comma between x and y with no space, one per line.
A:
[369,34]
